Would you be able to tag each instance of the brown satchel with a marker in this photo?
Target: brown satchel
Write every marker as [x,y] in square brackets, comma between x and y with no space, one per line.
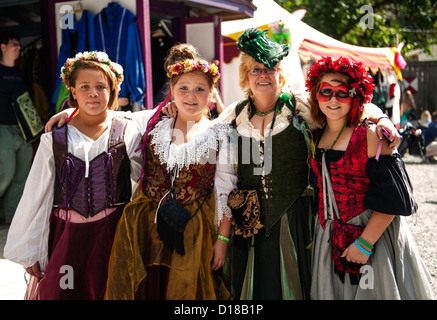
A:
[245,211]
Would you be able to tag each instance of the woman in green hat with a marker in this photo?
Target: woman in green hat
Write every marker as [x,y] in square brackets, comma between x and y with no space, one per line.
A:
[270,258]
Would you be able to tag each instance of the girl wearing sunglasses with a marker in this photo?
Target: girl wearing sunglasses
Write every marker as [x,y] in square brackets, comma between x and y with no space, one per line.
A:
[361,243]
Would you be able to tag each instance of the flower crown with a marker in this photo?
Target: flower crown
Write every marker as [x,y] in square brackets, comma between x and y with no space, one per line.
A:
[193,65]
[360,82]
[98,56]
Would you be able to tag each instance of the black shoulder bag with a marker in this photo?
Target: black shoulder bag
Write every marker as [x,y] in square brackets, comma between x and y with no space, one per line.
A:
[172,218]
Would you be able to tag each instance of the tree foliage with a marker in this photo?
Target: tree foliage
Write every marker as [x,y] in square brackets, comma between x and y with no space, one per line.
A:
[383,23]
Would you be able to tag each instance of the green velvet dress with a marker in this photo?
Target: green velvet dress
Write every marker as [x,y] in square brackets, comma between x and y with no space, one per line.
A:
[275,263]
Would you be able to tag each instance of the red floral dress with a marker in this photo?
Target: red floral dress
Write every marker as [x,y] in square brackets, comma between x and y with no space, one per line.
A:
[350,183]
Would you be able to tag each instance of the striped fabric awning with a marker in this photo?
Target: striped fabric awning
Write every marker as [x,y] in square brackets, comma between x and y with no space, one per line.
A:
[373,59]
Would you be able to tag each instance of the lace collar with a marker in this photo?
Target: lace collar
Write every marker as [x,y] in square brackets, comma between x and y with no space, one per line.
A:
[195,151]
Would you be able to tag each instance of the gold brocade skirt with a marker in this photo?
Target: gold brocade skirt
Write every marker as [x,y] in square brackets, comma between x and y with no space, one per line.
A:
[137,246]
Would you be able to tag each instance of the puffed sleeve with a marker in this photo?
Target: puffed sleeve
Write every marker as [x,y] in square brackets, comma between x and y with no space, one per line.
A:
[227,115]
[133,139]
[27,241]
[225,179]
[390,189]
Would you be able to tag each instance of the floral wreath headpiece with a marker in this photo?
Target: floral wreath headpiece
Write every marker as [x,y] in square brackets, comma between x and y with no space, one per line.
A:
[193,65]
[98,56]
[360,82]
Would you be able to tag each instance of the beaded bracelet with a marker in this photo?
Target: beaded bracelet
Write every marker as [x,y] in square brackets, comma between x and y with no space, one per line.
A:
[362,249]
[368,245]
[223,238]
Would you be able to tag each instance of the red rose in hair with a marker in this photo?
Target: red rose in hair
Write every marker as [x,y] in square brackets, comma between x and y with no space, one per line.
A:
[360,82]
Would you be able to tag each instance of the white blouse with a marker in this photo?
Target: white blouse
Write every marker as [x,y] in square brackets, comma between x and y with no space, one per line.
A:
[246,128]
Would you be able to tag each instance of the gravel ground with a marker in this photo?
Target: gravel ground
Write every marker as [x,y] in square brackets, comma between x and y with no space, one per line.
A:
[424,180]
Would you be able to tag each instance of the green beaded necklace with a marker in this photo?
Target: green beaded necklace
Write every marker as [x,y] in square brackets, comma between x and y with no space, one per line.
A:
[338,136]
[262,114]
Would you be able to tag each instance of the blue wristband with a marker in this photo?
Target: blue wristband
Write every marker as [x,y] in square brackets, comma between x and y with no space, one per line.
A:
[362,249]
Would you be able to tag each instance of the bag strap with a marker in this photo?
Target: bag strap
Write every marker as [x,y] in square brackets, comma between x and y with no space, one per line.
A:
[170,173]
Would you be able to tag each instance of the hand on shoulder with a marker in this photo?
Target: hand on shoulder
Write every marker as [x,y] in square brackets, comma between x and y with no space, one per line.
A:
[373,141]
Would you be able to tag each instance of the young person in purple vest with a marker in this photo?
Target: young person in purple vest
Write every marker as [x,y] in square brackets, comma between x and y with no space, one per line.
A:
[80,181]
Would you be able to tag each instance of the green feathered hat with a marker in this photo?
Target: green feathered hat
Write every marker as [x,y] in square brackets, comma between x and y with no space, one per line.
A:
[259,46]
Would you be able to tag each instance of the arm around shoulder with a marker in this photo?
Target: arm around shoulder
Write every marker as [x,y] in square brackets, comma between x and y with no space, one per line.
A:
[373,142]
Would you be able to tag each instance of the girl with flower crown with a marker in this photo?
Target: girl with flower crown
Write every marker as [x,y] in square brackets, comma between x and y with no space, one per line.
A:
[362,248]
[64,226]
[174,233]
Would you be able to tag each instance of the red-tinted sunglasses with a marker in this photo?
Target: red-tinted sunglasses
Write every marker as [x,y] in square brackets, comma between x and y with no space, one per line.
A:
[326,92]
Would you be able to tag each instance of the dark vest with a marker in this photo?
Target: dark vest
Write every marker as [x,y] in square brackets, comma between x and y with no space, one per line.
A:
[108,182]
[287,178]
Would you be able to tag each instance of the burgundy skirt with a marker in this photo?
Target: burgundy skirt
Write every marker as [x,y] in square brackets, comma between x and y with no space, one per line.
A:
[79,250]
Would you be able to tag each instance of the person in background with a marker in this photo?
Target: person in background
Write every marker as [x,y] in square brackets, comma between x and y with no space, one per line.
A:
[362,248]
[425,118]
[430,136]
[408,108]
[15,152]
[216,104]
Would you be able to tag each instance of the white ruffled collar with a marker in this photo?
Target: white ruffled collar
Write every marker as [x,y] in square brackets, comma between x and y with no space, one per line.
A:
[195,151]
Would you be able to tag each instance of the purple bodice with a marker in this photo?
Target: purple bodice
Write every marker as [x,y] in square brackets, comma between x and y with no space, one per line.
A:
[108,181]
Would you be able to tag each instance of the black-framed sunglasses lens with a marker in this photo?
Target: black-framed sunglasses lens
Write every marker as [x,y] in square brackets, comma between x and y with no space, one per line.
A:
[259,71]
[330,92]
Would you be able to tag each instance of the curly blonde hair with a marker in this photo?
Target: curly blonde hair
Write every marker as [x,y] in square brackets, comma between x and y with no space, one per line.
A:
[248,63]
